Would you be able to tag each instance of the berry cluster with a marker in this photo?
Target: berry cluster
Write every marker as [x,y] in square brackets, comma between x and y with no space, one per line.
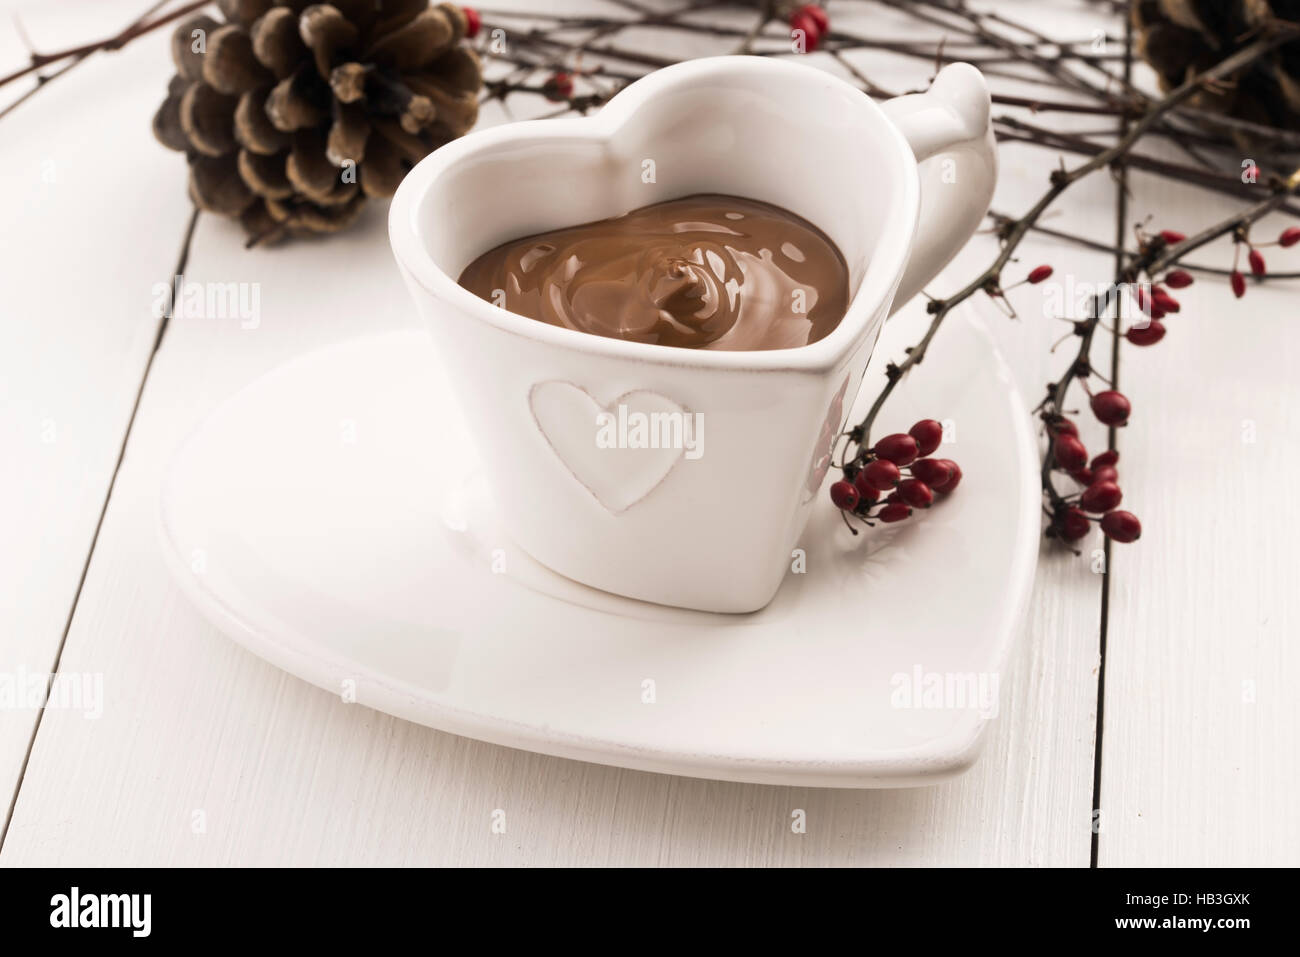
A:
[813,21]
[1255,259]
[1156,303]
[898,465]
[1071,516]
[1100,497]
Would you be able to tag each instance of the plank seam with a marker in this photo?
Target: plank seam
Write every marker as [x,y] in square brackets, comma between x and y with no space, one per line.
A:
[1121,221]
[181,260]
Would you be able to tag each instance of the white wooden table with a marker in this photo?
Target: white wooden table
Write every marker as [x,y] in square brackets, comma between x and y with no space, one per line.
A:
[204,754]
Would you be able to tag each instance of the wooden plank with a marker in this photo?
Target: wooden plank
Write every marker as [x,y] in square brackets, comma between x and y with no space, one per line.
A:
[197,732]
[91,223]
[1202,726]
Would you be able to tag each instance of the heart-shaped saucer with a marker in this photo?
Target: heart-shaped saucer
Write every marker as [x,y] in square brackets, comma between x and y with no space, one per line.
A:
[376,564]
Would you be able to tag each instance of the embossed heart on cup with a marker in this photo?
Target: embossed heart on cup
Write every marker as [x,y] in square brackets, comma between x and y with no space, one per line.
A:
[607,448]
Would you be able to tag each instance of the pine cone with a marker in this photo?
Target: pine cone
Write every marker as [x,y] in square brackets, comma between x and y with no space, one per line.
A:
[291,114]
[1181,38]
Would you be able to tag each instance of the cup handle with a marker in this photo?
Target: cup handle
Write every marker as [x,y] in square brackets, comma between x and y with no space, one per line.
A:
[951,135]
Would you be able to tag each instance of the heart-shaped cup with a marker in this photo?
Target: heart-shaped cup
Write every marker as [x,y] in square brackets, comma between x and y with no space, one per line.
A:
[899,188]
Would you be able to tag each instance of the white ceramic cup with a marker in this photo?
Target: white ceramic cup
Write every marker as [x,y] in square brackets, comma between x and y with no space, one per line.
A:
[712,526]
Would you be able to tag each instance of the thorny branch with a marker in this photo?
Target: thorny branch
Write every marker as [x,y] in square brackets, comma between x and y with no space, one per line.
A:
[1152,260]
[545,46]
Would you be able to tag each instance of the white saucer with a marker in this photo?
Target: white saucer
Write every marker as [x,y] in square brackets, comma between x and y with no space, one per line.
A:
[329,519]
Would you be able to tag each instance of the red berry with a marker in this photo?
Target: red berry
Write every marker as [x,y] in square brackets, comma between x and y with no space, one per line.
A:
[1121,526]
[1060,425]
[899,448]
[915,493]
[953,482]
[1143,299]
[866,491]
[818,15]
[1070,453]
[1106,473]
[1038,274]
[1100,497]
[1257,266]
[558,87]
[801,19]
[844,495]
[1178,279]
[1083,476]
[936,473]
[1172,236]
[894,512]
[1111,407]
[881,474]
[1109,457]
[1238,284]
[473,22]
[1290,236]
[1147,335]
[1072,525]
[928,434]
[1165,301]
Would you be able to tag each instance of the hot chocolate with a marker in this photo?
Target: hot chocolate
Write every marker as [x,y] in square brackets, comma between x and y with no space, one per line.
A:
[705,272]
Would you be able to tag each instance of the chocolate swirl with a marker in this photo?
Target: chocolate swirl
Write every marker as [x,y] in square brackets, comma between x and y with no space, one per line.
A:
[703,272]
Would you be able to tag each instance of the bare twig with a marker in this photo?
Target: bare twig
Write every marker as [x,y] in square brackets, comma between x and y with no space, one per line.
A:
[137,28]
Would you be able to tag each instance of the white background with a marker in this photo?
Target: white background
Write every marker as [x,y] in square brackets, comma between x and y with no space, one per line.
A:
[1199,751]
